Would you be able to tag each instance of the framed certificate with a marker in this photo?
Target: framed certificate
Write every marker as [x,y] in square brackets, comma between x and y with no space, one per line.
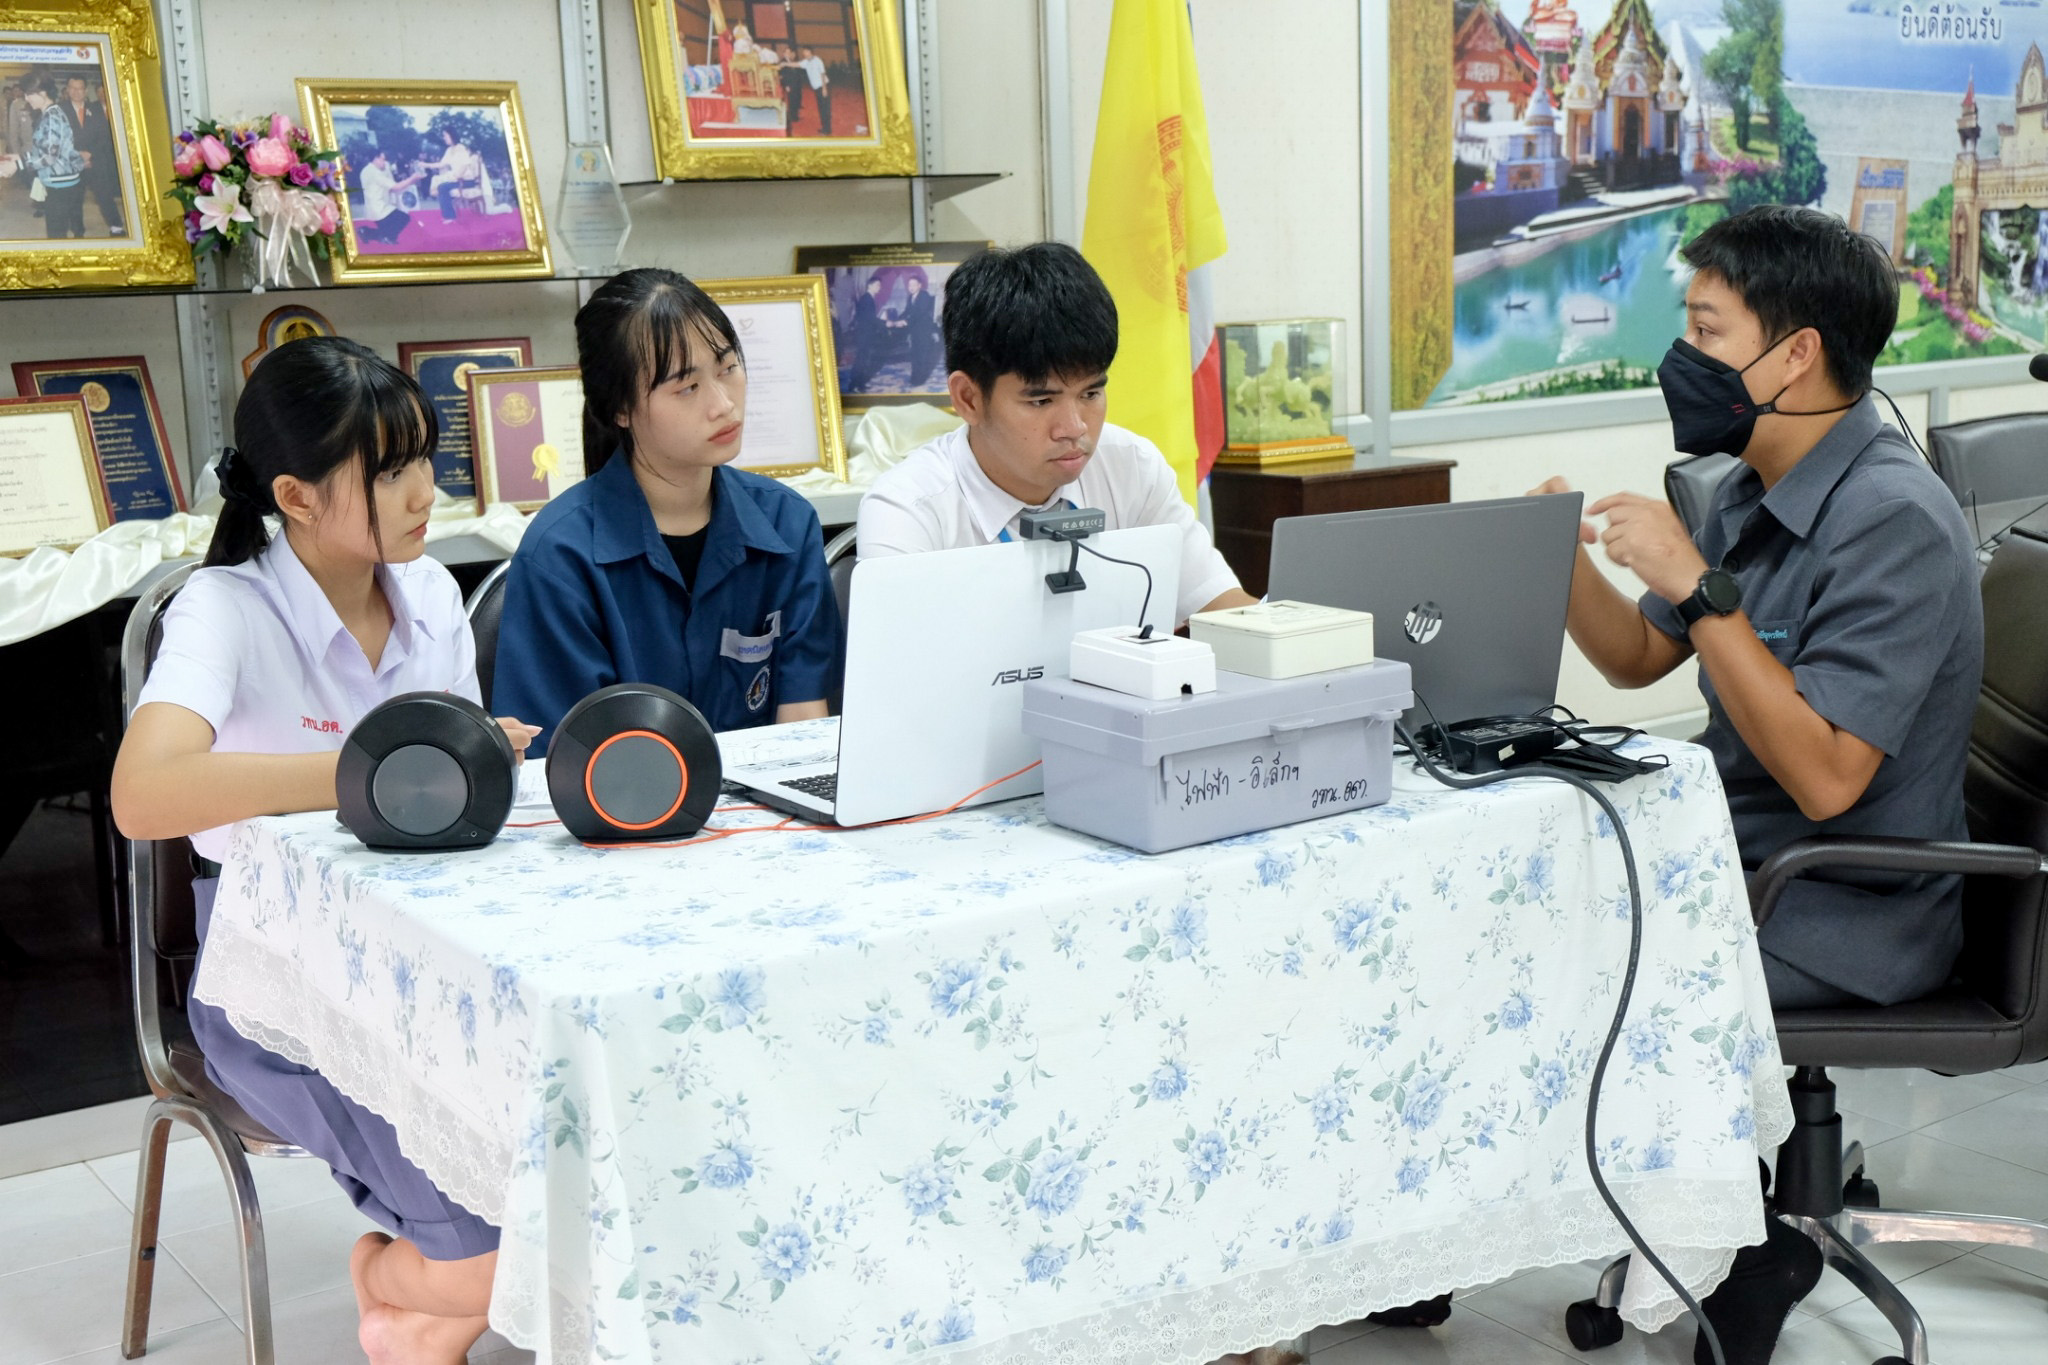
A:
[134,450]
[527,425]
[293,322]
[443,369]
[50,489]
[785,332]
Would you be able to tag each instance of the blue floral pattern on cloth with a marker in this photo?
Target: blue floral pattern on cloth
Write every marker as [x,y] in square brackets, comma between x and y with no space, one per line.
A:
[982,1088]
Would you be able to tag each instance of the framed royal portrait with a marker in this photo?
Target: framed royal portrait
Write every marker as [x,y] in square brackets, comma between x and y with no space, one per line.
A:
[439,182]
[293,322]
[527,429]
[760,89]
[443,369]
[785,334]
[85,150]
[130,443]
[887,302]
[50,487]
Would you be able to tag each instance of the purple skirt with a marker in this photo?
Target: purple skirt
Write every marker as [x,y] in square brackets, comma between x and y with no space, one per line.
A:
[301,1106]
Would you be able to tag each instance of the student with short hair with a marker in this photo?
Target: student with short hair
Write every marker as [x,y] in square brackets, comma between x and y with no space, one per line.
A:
[271,653]
[1831,598]
[666,565]
[1030,335]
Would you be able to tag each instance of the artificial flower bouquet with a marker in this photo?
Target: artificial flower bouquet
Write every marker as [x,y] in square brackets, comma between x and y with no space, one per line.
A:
[263,178]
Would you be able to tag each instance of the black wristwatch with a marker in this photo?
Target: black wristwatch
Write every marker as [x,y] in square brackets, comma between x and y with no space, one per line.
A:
[1718,594]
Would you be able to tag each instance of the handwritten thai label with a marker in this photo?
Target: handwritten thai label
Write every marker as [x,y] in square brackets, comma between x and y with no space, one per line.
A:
[1207,784]
[1352,792]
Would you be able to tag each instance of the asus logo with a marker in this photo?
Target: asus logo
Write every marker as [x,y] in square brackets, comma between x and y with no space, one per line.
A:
[1018,675]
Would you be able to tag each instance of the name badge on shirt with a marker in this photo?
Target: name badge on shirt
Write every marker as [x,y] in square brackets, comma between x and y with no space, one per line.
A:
[751,649]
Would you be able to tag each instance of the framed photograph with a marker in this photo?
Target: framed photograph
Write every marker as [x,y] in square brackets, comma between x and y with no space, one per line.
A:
[443,369]
[792,392]
[289,323]
[85,150]
[439,185]
[50,489]
[528,430]
[760,89]
[136,467]
[886,303]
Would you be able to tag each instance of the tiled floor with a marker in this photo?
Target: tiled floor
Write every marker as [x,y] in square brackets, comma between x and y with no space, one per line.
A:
[1978,1143]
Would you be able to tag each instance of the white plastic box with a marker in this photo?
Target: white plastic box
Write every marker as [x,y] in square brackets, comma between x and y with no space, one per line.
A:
[1255,754]
[1285,639]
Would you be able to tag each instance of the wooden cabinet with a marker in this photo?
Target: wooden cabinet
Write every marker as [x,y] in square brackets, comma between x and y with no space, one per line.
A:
[1247,502]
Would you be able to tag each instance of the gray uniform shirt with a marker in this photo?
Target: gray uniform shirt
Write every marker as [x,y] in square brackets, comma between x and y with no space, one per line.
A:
[1858,572]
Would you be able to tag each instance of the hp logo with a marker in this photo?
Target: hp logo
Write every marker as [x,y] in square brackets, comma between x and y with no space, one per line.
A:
[1424,620]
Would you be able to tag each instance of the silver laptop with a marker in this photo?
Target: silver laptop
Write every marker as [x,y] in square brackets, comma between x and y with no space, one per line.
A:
[937,648]
[1470,595]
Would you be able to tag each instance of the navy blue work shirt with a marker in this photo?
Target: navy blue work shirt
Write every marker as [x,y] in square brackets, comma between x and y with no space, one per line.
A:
[1859,574]
[593,598]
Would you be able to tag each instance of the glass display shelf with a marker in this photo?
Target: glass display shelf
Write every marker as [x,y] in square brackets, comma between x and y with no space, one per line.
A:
[638,192]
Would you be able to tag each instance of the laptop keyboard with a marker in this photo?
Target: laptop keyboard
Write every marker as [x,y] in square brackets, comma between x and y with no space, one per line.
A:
[824,786]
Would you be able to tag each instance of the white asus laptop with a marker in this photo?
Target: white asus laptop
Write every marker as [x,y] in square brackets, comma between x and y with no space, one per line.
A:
[938,646]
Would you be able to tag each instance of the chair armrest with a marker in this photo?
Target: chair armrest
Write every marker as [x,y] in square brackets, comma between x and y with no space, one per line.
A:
[1880,854]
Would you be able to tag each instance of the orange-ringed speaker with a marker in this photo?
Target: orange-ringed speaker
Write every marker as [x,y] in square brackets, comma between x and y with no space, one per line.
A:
[633,762]
[426,771]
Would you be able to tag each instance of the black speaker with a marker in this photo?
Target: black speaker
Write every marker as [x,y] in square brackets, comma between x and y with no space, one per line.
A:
[426,771]
[633,761]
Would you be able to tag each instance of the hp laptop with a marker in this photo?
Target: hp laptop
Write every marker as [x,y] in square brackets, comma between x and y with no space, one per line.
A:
[1470,595]
[938,647]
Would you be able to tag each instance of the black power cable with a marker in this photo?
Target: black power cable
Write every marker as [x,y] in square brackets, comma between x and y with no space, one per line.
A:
[1081,544]
[1628,984]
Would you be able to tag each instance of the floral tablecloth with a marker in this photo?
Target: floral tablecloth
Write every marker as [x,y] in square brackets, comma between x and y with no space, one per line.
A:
[984,1088]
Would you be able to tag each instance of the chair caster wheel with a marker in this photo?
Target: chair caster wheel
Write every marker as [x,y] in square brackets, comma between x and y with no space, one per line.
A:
[1860,1193]
[1891,1360]
[1590,1326]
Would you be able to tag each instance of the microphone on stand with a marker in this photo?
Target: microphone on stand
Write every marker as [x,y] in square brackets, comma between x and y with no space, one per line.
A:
[2038,367]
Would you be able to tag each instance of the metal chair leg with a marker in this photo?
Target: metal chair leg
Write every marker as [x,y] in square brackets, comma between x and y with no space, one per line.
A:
[149,1199]
[1869,1227]
[255,1265]
[1612,1281]
[1856,1268]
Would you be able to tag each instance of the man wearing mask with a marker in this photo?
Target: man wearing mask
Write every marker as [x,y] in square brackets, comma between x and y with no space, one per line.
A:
[1831,598]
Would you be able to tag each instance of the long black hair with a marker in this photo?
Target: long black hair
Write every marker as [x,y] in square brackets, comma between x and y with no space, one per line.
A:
[633,337]
[312,406]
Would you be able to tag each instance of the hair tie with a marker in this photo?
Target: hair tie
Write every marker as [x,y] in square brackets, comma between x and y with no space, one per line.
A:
[237,484]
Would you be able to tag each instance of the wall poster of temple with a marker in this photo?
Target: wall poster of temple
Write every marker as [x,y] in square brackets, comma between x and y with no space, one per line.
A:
[1563,150]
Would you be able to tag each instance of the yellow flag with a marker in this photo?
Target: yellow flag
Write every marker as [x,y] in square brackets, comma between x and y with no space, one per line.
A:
[1152,217]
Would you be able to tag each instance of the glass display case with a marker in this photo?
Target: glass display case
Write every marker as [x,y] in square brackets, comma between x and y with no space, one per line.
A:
[1282,394]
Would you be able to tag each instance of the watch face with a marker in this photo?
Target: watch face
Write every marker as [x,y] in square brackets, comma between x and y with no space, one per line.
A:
[1720,590]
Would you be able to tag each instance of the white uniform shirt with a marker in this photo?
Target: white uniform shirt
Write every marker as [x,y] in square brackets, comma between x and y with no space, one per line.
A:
[377,183]
[260,654]
[814,67]
[939,499]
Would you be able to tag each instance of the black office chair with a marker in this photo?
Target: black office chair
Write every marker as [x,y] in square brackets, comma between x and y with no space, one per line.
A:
[1690,484]
[1992,1014]
[486,608]
[1994,459]
[163,933]
[840,557]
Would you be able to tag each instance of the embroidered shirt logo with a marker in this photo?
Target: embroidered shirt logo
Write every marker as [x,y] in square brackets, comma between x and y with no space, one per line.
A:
[325,727]
[1769,635]
[757,690]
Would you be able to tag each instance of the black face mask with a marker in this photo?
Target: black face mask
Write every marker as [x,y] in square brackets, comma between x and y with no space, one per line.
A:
[1711,410]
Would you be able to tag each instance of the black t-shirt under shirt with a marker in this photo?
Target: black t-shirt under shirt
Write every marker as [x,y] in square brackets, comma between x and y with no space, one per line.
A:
[688,550]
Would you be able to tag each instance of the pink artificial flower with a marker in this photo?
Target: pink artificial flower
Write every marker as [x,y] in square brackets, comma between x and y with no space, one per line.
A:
[206,183]
[215,152]
[330,218]
[187,159]
[281,128]
[271,157]
[301,174]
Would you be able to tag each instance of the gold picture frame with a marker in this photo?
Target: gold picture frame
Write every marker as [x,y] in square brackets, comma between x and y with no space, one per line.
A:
[83,510]
[458,227]
[792,402]
[117,39]
[729,117]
